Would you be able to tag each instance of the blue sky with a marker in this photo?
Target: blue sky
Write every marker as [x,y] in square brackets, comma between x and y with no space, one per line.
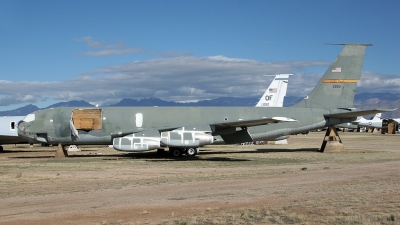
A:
[104,51]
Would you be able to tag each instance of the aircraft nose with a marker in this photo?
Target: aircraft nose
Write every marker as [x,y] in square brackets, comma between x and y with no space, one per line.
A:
[21,126]
[22,129]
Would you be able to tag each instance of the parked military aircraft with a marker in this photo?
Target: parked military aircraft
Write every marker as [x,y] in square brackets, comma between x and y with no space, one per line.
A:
[273,96]
[375,122]
[9,131]
[397,120]
[276,92]
[183,129]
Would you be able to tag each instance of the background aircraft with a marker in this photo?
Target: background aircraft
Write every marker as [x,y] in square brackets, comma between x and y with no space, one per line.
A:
[397,120]
[276,92]
[9,131]
[272,97]
[375,122]
[183,129]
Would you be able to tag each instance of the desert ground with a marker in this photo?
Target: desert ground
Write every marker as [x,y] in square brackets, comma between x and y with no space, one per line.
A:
[224,184]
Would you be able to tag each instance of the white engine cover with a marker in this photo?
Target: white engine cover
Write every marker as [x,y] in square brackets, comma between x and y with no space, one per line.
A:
[182,138]
[132,143]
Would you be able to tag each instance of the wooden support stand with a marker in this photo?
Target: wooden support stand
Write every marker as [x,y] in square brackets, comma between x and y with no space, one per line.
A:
[332,141]
[61,152]
[391,127]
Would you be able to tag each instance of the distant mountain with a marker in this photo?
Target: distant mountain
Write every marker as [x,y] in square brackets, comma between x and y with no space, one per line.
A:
[362,101]
[23,111]
[379,101]
[71,104]
[381,96]
[224,101]
[145,102]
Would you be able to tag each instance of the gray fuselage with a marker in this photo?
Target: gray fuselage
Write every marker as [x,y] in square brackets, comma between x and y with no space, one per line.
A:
[53,126]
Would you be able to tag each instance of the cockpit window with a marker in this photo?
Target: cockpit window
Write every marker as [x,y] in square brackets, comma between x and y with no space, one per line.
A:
[29,118]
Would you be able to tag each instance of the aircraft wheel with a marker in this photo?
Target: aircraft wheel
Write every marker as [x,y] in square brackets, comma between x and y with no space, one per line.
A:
[191,152]
[160,151]
[1,148]
[176,152]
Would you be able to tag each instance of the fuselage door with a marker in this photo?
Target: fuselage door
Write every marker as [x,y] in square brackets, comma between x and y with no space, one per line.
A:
[139,120]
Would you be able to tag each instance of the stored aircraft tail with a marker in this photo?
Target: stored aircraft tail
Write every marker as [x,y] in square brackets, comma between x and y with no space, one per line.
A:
[377,117]
[337,87]
[276,92]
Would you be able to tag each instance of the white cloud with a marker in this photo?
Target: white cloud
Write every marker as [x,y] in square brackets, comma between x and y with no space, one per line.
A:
[106,49]
[182,79]
[375,82]
[112,52]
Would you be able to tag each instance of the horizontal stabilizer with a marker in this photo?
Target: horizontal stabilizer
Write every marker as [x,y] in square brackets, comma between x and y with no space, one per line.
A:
[356,113]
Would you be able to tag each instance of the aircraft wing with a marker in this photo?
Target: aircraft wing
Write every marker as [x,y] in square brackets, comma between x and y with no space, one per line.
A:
[216,126]
[189,136]
[356,113]
[236,131]
[251,123]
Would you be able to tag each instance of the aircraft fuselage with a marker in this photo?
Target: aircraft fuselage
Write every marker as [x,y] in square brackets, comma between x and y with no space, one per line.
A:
[53,126]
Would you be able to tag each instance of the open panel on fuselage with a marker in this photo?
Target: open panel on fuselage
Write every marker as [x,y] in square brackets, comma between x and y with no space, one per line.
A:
[87,119]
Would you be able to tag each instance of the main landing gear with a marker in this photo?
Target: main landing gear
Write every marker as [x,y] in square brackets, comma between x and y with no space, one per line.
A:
[178,152]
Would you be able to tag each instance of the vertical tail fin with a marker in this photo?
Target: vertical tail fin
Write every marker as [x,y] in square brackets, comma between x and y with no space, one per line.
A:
[276,92]
[377,117]
[337,87]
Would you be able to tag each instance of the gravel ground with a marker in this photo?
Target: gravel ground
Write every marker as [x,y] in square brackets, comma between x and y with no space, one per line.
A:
[224,184]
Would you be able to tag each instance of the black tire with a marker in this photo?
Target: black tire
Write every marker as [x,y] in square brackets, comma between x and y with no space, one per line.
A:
[160,151]
[1,148]
[191,151]
[176,152]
